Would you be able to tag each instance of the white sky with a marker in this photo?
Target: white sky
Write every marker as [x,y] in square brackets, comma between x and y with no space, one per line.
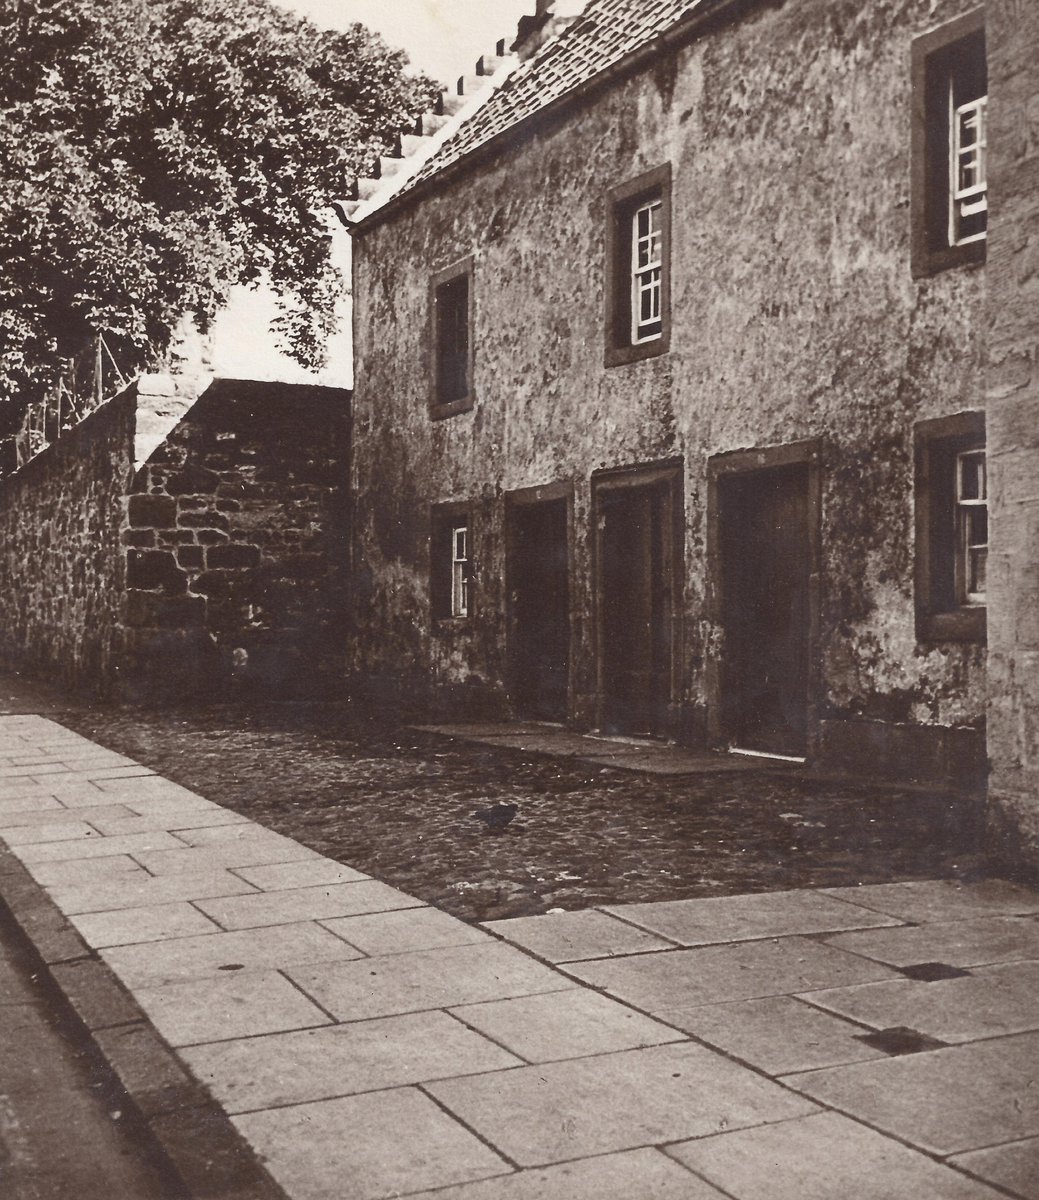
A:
[442,37]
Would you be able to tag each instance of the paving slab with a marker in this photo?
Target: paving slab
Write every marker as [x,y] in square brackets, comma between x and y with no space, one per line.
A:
[573,936]
[483,729]
[211,835]
[943,1101]
[670,760]
[744,918]
[630,1175]
[398,1141]
[558,744]
[215,953]
[942,899]
[341,1060]
[53,831]
[192,861]
[305,873]
[991,1002]
[557,1025]
[777,1034]
[305,904]
[82,795]
[424,979]
[131,889]
[20,819]
[85,870]
[404,930]
[32,801]
[968,943]
[676,980]
[1014,1166]
[822,1157]
[556,1111]
[129,822]
[239,1005]
[131,843]
[147,923]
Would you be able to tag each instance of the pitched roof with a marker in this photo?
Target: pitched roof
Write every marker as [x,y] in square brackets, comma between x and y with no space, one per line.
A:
[605,33]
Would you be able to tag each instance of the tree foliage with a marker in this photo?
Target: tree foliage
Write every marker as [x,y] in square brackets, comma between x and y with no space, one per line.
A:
[153,153]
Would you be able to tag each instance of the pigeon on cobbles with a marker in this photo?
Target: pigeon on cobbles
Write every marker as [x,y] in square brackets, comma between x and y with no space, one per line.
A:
[497,817]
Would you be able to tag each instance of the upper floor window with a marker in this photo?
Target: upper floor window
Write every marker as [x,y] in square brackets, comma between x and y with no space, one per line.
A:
[951,528]
[950,146]
[452,310]
[637,268]
[647,268]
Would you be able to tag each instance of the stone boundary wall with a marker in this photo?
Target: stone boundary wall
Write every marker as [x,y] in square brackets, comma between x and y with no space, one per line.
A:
[215,567]
[236,546]
[61,563]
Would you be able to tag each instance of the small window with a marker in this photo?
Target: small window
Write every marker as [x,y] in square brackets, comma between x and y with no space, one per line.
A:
[951,528]
[971,527]
[646,272]
[459,571]
[637,266]
[450,563]
[451,302]
[950,146]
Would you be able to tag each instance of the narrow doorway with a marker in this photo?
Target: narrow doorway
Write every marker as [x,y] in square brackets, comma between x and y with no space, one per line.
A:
[636,605]
[766,565]
[538,580]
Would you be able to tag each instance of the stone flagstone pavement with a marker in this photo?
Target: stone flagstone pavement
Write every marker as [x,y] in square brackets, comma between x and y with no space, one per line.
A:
[871,1042]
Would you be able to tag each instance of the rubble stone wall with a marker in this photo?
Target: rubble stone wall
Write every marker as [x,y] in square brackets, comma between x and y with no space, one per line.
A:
[217,568]
[235,543]
[1013,431]
[61,561]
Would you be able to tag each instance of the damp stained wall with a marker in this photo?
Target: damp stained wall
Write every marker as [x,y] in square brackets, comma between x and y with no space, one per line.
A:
[1013,433]
[794,316]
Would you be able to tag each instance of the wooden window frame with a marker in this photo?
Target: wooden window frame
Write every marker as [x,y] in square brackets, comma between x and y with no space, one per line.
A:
[933,66]
[444,521]
[943,612]
[440,408]
[622,205]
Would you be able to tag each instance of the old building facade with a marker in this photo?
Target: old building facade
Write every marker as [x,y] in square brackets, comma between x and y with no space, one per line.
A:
[671,388]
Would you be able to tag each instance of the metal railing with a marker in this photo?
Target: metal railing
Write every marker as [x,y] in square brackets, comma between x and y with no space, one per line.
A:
[87,381]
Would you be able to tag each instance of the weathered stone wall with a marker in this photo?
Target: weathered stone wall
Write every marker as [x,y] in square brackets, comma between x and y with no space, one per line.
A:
[61,561]
[794,316]
[1013,430]
[215,568]
[236,546]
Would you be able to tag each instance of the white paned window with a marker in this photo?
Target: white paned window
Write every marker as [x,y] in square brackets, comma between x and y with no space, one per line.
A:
[972,526]
[647,264]
[460,571]
[968,197]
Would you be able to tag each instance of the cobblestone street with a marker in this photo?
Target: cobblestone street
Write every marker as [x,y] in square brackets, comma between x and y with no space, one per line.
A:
[400,805]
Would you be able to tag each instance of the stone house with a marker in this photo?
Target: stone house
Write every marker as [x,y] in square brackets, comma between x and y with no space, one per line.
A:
[674,346]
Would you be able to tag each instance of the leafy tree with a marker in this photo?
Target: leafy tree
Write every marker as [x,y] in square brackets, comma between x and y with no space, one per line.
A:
[153,153]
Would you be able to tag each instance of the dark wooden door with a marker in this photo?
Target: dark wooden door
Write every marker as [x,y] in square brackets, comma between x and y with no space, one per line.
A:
[766,565]
[635,602]
[539,598]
